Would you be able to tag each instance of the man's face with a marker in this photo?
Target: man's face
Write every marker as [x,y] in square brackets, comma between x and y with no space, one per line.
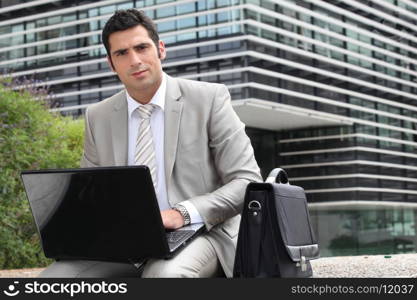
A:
[134,58]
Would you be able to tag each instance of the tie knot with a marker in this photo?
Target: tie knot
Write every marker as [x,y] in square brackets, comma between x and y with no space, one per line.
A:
[145,111]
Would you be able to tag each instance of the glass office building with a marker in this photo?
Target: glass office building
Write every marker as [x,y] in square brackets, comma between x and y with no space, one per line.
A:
[327,90]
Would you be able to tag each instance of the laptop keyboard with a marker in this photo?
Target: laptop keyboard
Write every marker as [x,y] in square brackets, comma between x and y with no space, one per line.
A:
[176,236]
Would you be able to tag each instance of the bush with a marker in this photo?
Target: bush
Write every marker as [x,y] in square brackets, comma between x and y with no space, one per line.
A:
[31,137]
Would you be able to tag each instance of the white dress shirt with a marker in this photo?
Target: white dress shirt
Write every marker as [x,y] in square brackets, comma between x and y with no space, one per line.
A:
[157,128]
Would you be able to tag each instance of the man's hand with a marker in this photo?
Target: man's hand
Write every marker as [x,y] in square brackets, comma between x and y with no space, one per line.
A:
[172,219]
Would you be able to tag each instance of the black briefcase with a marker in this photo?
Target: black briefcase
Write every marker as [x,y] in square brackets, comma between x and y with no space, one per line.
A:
[275,238]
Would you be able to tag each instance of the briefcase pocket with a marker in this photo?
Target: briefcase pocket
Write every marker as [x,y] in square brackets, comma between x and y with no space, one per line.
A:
[294,222]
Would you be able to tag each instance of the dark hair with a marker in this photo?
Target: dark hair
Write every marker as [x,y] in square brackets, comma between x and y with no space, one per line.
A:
[125,19]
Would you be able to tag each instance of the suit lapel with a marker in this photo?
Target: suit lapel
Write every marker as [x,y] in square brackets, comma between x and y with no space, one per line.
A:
[119,130]
[172,117]
[173,110]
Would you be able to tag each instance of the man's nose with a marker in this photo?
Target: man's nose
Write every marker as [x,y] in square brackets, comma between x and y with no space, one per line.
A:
[135,58]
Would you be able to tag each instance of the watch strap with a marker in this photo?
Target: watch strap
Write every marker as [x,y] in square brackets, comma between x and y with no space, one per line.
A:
[184,213]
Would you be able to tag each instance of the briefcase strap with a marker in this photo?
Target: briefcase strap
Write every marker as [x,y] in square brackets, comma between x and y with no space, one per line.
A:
[255,230]
[277,175]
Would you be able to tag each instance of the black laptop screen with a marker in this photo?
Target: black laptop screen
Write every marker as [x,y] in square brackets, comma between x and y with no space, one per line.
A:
[103,213]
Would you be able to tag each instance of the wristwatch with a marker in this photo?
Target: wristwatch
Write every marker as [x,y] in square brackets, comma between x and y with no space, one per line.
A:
[184,213]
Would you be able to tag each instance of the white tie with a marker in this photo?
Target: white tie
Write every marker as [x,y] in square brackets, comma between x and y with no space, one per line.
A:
[145,149]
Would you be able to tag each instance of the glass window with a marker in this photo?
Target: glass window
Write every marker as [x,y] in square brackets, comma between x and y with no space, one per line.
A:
[224,17]
[202,20]
[69,17]
[186,23]
[126,5]
[54,20]
[186,8]
[202,5]
[165,12]
[186,36]
[166,26]
[224,30]
[109,9]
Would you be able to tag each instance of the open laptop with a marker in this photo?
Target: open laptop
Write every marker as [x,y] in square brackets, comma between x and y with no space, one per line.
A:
[104,213]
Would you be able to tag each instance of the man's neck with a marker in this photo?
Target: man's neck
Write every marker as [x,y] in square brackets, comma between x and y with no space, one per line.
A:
[144,96]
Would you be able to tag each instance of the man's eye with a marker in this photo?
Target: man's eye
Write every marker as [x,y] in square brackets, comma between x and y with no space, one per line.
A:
[140,48]
[120,53]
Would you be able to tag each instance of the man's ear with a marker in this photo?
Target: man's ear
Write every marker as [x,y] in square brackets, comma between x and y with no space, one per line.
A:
[110,62]
[162,50]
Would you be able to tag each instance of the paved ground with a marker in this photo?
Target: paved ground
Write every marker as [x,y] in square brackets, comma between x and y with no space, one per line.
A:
[377,266]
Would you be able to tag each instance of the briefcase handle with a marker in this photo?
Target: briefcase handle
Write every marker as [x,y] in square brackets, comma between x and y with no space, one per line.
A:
[278,175]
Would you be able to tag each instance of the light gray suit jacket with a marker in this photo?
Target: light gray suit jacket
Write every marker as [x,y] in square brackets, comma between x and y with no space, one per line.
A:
[209,159]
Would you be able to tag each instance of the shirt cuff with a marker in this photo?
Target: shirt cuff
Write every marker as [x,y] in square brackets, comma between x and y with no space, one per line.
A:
[192,211]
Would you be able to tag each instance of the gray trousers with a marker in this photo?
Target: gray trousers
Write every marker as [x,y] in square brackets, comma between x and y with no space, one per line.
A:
[197,260]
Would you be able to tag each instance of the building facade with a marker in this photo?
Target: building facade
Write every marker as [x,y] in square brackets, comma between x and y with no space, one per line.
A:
[327,90]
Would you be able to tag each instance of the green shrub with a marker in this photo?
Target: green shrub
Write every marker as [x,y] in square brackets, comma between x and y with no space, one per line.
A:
[31,137]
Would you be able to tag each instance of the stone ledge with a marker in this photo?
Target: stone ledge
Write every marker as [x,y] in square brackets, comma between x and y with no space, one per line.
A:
[20,273]
[365,266]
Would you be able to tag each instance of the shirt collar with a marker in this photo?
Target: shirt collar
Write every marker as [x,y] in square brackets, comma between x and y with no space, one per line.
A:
[158,99]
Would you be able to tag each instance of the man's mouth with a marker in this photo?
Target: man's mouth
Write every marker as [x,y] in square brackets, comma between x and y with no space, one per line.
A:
[138,73]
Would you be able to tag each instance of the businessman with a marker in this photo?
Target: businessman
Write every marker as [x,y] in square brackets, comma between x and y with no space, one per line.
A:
[187,133]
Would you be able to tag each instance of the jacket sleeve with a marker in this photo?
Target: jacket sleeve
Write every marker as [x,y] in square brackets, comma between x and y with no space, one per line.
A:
[89,158]
[234,161]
